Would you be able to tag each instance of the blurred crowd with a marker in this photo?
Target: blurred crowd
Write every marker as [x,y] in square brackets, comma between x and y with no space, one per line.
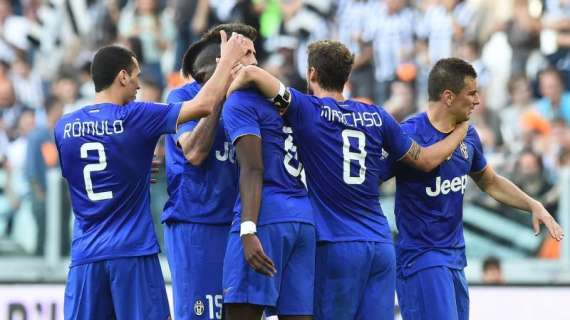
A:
[520,49]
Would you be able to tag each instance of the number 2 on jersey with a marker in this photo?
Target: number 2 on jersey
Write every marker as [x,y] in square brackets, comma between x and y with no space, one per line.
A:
[349,156]
[85,148]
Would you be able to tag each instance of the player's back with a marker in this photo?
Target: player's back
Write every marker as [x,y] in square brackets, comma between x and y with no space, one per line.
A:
[105,153]
[203,193]
[341,146]
[284,197]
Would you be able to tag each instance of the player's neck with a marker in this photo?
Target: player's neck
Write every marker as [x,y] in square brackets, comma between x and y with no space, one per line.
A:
[108,96]
[440,119]
[322,93]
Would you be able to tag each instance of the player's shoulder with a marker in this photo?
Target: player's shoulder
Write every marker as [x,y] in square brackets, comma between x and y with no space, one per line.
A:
[184,92]
[306,97]
[414,122]
[248,98]
[472,134]
[76,115]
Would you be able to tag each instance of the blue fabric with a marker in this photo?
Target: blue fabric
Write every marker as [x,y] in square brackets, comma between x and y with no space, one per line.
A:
[284,197]
[195,254]
[341,147]
[105,153]
[122,289]
[291,247]
[429,206]
[437,293]
[354,280]
[204,193]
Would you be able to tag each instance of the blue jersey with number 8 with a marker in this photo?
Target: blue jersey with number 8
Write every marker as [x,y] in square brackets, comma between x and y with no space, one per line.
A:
[105,153]
[341,146]
[284,197]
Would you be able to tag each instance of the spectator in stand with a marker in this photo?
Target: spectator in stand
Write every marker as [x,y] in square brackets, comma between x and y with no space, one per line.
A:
[353,19]
[531,177]
[523,31]
[557,19]
[143,19]
[66,89]
[41,154]
[13,32]
[25,82]
[492,273]
[520,119]
[442,25]
[555,102]
[191,18]
[392,38]
[104,29]
[401,102]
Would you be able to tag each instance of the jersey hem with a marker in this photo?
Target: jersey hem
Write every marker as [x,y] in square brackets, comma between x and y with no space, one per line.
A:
[112,257]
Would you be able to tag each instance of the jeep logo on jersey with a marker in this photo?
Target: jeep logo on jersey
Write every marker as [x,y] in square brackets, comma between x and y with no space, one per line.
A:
[463,148]
[199,307]
[445,186]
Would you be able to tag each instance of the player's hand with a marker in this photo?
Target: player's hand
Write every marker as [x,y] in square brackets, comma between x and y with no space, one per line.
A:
[255,256]
[154,169]
[240,78]
[463,127]
[232,49]
[541,216]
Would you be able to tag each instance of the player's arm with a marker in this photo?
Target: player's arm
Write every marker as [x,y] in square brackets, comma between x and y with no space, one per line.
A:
[429,158]
[249,155]
[196,144]
[506,192]
[214,90]
[266,83]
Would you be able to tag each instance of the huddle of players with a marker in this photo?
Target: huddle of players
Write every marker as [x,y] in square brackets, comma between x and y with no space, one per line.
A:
[324,251]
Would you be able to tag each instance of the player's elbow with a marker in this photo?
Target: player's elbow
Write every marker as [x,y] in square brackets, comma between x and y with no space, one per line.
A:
[195,157]
[427,165]
[207,108]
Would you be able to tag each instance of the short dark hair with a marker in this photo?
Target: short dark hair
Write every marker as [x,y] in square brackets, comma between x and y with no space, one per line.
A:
[491,262]
[107,64]
[333,61]
[199,61]
[448,74]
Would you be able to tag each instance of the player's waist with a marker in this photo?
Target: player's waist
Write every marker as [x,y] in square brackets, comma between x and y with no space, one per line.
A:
[410,261]
[196,214]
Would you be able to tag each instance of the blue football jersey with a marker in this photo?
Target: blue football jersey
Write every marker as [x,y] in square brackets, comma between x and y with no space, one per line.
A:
[341,146]
[105,153]
[204,193]
[284,197]
[429,206]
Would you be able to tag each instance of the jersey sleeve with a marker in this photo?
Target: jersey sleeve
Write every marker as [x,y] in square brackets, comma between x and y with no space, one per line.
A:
[396,142]
[240,117]
[479,162]
[178,96]
[154,119]
[299,109]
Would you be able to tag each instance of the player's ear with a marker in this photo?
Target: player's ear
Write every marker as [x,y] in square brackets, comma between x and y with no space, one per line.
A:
[312,74]
[123,77]
[448,97]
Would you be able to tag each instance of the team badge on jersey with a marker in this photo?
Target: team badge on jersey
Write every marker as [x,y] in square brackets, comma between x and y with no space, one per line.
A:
[463,148]
[199,307]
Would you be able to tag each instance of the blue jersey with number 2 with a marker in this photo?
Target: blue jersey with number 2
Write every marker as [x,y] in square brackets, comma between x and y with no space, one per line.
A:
[105,154]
